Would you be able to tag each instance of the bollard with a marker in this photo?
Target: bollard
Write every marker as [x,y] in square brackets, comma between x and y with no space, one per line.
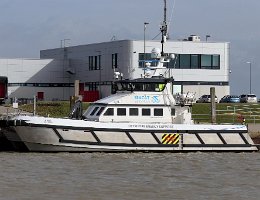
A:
[213,106]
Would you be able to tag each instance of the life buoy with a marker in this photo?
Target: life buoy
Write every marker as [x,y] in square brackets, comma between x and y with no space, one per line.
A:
[241,119]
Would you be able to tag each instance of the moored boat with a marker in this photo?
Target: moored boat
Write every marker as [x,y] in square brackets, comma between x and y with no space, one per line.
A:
[141,115]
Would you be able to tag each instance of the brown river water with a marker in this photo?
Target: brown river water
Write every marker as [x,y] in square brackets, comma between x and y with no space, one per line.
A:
[129,176]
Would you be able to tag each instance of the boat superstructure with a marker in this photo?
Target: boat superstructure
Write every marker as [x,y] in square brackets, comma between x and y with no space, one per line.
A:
[141,115]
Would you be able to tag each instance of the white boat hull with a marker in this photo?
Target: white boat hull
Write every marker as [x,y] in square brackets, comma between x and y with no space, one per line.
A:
[55,135]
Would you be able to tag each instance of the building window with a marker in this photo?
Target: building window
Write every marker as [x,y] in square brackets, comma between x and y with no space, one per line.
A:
[99,62]
[121,112]
[94,62]
[90,63]
[205,61]
[92,86]
[194,61]
[146,57]
[109,112]
[133,111]
[215,61]
[174,63]
[158,112]
[146,112]
[114,61]
[184,61]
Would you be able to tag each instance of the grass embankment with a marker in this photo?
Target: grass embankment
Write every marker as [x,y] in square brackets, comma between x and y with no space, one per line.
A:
[51,109]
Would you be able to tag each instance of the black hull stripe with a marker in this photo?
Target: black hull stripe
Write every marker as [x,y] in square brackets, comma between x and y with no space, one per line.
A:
[221,138]
[156,145]
[130,137]
[157,140]
[96,137]
[199,138]
[243,138]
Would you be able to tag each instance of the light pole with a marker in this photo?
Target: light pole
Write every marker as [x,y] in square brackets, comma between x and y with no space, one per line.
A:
[99,67]
[145,24]
[250,76]
[207,36]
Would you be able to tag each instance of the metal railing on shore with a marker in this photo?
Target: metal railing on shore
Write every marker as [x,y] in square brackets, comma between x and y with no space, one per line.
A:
[233,114]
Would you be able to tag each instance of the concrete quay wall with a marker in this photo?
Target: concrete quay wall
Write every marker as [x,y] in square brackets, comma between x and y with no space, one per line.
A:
[254,132]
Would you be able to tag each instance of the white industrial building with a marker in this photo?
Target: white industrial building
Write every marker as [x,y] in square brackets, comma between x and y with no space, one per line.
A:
[198,65]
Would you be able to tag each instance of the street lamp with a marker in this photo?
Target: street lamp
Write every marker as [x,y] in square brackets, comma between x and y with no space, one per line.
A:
[145,24]
[250,75]
[207,36]
[100,68]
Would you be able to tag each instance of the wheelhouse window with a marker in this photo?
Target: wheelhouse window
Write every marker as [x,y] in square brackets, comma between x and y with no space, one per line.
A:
[126,86]
[173,111]
[146,111]
[109,112]
[158,112]
[121,111]
[94,111]
[133,111]
[100,111]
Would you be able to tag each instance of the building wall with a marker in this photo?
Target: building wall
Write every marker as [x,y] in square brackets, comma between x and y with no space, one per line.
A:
[189,47]
[27,77]
[55,73]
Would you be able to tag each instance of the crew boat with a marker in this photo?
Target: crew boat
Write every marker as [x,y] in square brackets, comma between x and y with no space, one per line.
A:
[141,115]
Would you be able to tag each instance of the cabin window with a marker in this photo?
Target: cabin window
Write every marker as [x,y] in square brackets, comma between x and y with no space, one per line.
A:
[109,112]
[100,111]
[158,112]
[94,111]
[173,112]
[121,111]
[133,111]
[146,112]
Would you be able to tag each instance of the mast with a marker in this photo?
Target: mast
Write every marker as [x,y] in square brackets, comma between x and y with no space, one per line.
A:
[164,28]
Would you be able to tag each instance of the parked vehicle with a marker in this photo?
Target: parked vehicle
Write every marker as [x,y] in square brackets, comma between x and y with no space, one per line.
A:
[230,99]
[248,98]
[206,99]
[3,88]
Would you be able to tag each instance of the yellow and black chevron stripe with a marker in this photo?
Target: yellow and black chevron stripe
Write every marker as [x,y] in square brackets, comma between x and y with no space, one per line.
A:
[170,138]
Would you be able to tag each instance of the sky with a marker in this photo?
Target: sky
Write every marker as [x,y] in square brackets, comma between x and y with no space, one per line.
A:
[28,26]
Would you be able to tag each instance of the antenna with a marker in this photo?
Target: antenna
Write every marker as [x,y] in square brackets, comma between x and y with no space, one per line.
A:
[164,27]
[169,23]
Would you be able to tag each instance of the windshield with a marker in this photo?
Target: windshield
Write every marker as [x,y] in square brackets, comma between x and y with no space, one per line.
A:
[154,87]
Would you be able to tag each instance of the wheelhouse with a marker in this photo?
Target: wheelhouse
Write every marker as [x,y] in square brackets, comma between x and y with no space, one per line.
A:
[141,85]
